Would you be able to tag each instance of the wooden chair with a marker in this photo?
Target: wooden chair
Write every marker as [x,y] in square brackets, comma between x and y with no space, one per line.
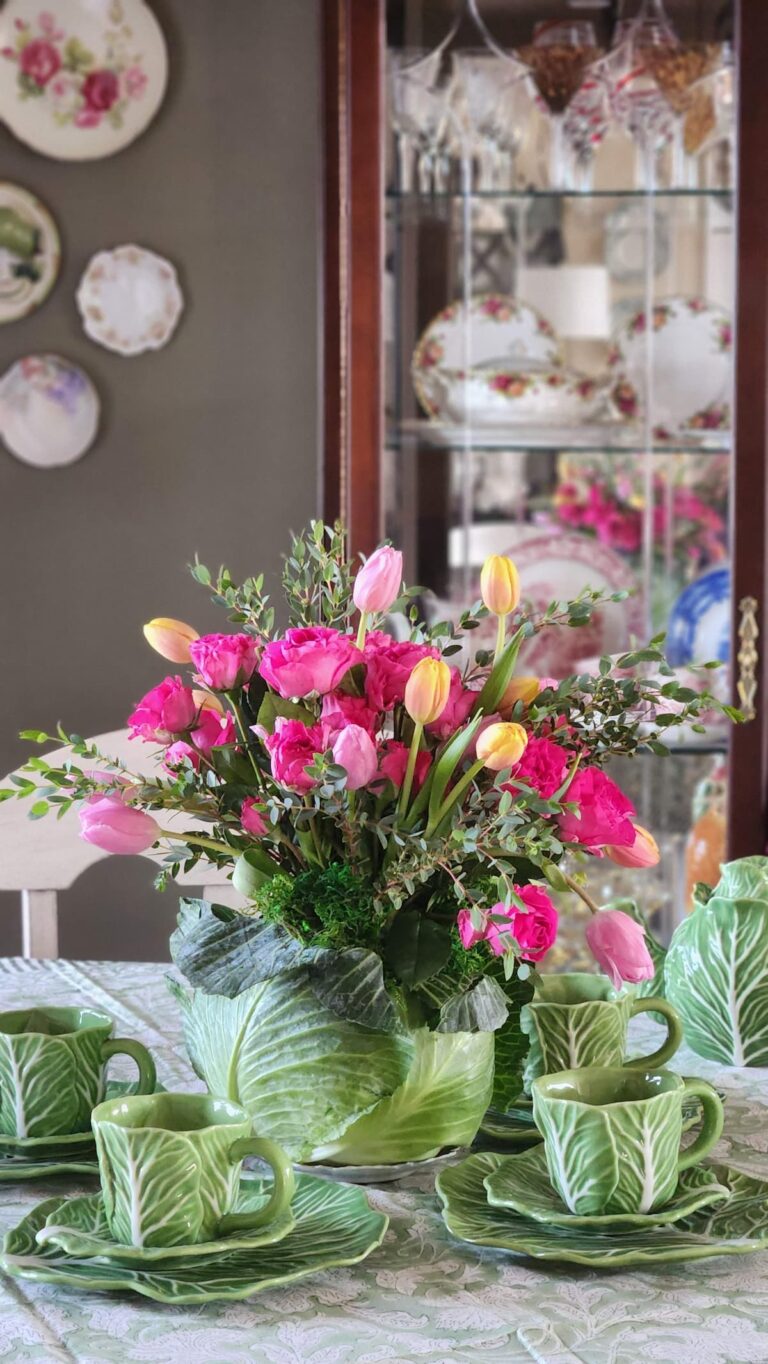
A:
[41,857]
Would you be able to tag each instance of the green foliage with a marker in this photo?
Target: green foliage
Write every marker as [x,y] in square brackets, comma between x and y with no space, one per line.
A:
[328,907]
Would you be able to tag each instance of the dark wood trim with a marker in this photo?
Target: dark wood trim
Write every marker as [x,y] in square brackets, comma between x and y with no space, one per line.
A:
[354,39]
[748,800]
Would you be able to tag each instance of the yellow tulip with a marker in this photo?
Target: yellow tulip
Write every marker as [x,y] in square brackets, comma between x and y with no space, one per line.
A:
[524,689]
[644,852]
[426,691]
[501,745]
[170,638]
[499,584]
[207,700]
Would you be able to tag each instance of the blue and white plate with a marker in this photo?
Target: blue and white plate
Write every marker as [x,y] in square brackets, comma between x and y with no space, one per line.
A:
[699,628]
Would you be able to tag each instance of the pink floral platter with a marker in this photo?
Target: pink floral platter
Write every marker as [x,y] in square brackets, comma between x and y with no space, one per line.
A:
[80,79]
[130,300]
[691,367]
[49,411]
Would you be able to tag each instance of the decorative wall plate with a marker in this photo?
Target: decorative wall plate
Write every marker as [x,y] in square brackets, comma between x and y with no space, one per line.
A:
[334,1226]
[699,628]
[493,328]
[506,397]
[130,300]
[692,367]
[80,79]
[49,411]
[30,252]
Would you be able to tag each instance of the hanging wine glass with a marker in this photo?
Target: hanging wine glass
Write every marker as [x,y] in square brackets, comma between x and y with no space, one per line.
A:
[709,125]
[675,66]
[558,59]
[586,123]
[484,90]
[636,99]
[420,115]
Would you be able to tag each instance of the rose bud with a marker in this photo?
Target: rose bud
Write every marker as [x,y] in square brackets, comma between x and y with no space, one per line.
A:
[427,690]
[355,751]
[499,584]
[377,584]
[644,852]
[170,638]
[252,817]
[225,662]
[501,745]
[618,945]
[108,823]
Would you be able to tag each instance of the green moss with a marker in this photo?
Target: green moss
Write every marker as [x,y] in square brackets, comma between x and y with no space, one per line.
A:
[331,907]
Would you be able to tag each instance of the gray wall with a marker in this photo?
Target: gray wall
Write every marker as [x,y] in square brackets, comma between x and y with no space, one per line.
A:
[210,444]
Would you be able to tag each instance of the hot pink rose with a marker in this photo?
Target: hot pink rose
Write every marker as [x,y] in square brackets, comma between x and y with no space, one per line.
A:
[389,664]
[39,61]
[108,823]
[293,747]
[604,812]
[543,766]
[100,90]
[534,929]
[394,761]
[355,751]
[457,708]
[377,584]
[212,730]
[252,817]
[618,945]
[339,710]
[225,662]
[166,711]
[313,659]
[175,755]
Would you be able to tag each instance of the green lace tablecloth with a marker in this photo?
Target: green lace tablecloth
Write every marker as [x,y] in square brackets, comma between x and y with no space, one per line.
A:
[422,1298]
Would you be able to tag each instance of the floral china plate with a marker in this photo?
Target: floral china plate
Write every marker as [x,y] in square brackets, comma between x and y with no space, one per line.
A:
[130,300]
[30,252]
[511,395]
[79,1226]
[699,626]
[49,411]
[80,79]
[522,1184]
[65,1146]
[334,1225]
[736,1226]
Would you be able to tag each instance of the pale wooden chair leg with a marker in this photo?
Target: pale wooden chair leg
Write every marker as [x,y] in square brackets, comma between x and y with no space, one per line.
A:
[39,923]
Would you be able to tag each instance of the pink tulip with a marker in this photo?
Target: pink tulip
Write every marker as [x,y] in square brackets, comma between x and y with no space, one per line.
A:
[108,823]
[252,817]
[307,660]
[165,712]
[355,751]
[377,584]
[644,852]
[225,662]
[177,753]
[618,945]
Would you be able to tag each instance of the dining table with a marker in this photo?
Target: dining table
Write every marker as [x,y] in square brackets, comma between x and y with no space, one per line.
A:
[422,1297]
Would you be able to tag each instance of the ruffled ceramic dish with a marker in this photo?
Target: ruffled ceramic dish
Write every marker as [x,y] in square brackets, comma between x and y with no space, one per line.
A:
[334,1226]
[80,80]
[736,1226]
[71,1153]
[30,252]
[49,411]
[130,300]
[522,1184]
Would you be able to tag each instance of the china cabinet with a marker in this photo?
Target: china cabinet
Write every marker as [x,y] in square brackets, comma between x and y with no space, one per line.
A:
[546,309]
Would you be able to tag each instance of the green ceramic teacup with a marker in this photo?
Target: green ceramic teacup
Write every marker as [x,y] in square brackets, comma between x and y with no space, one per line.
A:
[170,1168]
[612,1135]
[52,1064]
[577,1019]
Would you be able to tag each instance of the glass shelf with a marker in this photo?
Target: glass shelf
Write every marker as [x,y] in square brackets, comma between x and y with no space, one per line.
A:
[605,439]
[395,196]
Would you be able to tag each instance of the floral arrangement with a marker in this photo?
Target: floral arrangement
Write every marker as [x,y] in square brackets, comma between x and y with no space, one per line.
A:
[401,821]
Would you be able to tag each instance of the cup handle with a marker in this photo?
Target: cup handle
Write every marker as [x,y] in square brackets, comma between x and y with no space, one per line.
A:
[713,1123]
[674,1031]
[282,1189]
[125,1046]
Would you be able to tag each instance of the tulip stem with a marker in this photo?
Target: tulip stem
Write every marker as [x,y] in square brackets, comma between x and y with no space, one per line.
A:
[580,891]
[405,793]
[501,635]
[361,629]
[454,797]
[197,839]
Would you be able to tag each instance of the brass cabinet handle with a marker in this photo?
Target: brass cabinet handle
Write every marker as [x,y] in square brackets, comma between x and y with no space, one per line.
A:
[747,656]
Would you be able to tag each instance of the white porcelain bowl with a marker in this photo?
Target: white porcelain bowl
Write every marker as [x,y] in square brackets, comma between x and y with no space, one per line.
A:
[517,395]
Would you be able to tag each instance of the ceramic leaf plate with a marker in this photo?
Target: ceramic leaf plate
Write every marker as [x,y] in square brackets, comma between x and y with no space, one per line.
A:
[30,252]
[80,80]
[70,1144]
[49,411]
[334,1226]
[522,1184]
[79,1226]
[734,1227]
[18,1169]
[386,1174]
[130,300]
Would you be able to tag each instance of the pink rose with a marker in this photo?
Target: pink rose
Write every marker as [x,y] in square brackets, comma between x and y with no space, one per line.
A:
[167,710]
[293,748]
[39,61]
[87,118]
[108,823]
[312,659]
[377,584]
[395,760]
[339,710]
[457,708]
[534,928]
[604,813]
[543,766]
[212,730]
[100,90]
[176,754]
[252,817]
[389,664]
[135,82]
[355,751]
[618,945]
[224,662]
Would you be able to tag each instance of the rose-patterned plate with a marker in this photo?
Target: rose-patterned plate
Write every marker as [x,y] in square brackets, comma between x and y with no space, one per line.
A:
[80,79]
[130,300]
[30,252]
[49,411]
